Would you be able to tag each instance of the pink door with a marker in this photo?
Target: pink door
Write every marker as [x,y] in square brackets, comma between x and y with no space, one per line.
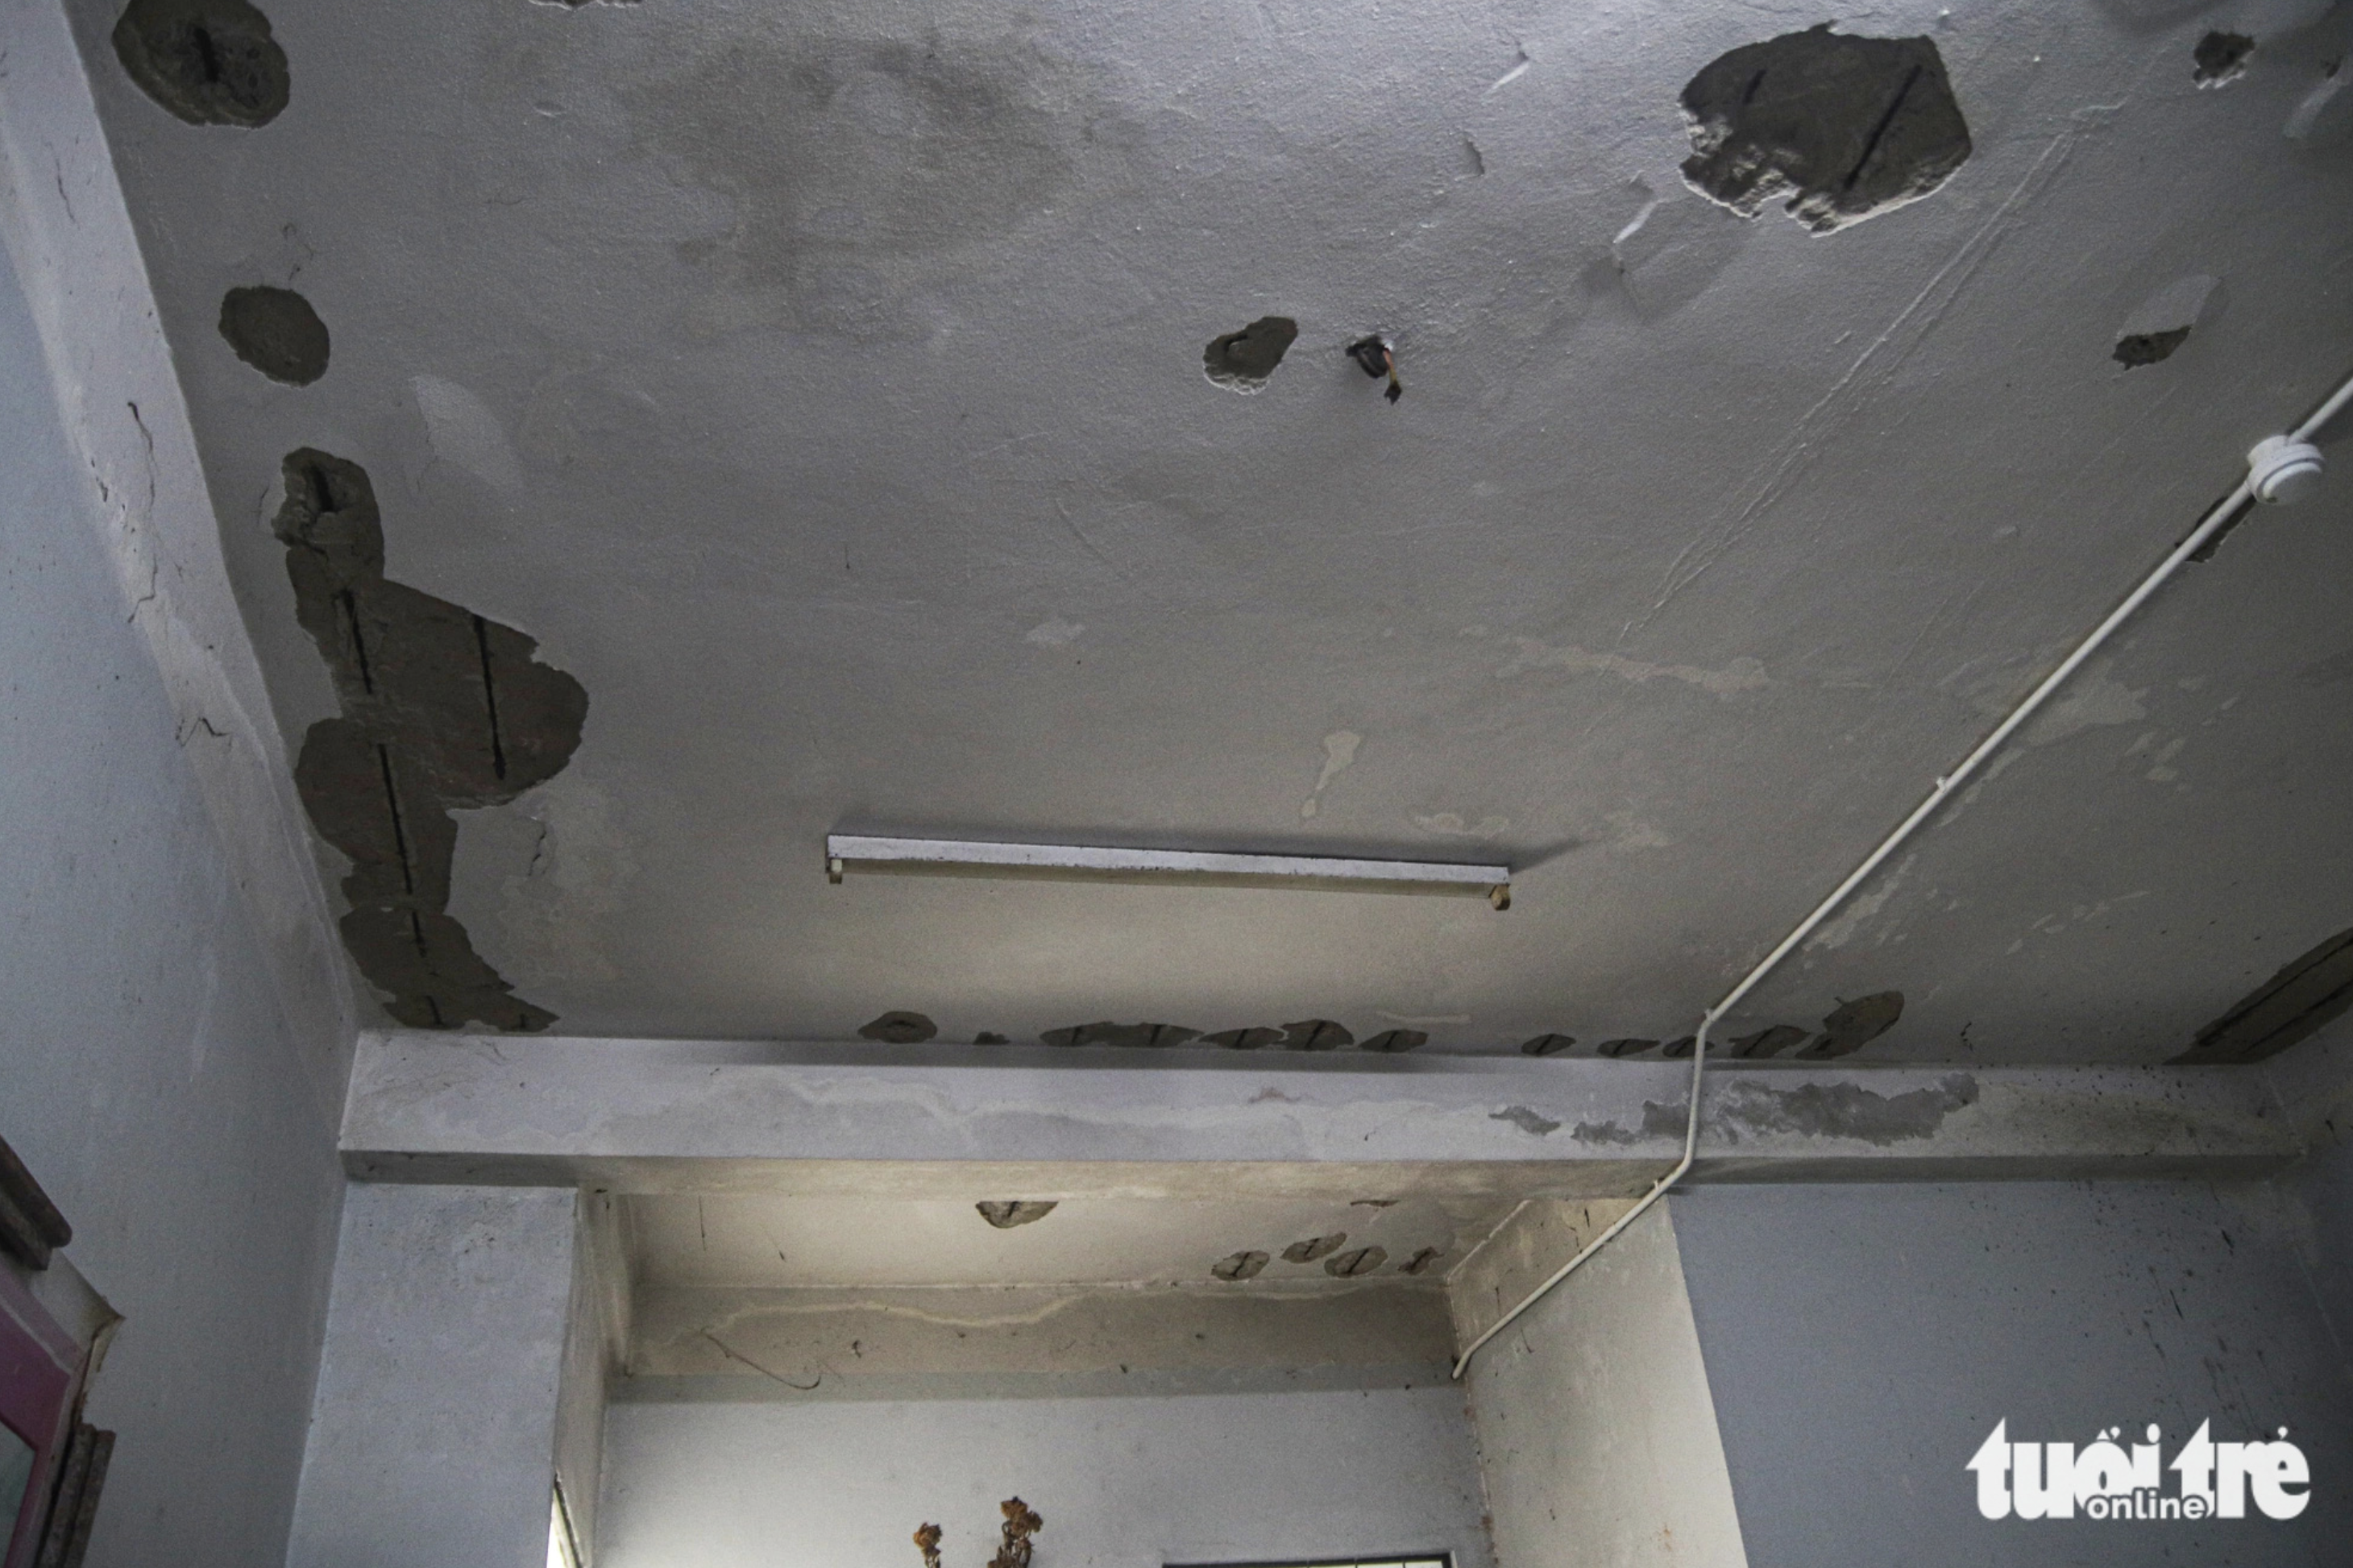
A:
[36,1366]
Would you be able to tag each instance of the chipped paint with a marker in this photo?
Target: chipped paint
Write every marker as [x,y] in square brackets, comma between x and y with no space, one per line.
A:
[1339,756]
[2096,699]
[1740,674]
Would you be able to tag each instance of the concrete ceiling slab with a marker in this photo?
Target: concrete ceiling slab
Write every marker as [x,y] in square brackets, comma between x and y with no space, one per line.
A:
[825,391]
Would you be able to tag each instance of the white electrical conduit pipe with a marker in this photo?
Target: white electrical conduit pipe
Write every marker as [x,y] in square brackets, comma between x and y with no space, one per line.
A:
[2214,522]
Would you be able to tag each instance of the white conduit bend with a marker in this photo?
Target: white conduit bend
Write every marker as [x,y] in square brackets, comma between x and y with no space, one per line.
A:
[2214,522]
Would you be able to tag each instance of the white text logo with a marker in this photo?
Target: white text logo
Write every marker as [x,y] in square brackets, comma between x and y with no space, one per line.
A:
[2213,1480]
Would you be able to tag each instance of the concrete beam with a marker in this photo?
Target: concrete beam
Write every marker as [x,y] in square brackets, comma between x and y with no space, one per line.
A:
[434,1427]
[941,1122]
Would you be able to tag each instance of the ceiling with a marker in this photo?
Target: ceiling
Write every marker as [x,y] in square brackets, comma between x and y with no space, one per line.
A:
[824,389]
[789,1241]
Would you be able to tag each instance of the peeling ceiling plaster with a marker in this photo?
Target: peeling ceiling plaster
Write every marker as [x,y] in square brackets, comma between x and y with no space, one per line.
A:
[824,390]
[780,1242]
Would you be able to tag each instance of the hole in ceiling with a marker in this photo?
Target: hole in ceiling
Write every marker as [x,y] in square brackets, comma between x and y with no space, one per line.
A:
[1242,360]
[2220,58]
[1854,1025]
[1355,1262]
[210,62]
[990,1038]
[277,333]
[2162,322]
[1846,127]
[1546,1045]
[899,1028]
[1240,1265]
[1389,1041]
[1314,1248]
[2137,349]
[2304,996]
[1007,1213]
[442,709]
[1377,359]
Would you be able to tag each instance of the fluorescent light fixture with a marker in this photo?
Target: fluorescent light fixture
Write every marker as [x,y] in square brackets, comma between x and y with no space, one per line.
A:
[846,852]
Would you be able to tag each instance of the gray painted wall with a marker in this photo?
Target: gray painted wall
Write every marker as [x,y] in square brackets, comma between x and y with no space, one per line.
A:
[147,1075]
[2322,1189]
[1861,1342]
[1122,1483]
[2314,1082]
[433,1440]
[1597,1437]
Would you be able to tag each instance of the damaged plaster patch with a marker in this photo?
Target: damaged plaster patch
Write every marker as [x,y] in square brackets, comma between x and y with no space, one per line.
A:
[2134,349]
[1624,1048]
[1241,362]
[277,333]
[442,709]
[210,62]
[1240,1265]
[1355,1262]
[1600,1132]
[1850,1110]
[1854,1025]
[1392,1040]
[2163,322]
[1316,1035]
[1741,674]
[1764,1043]
[1829,1111]
[1339,756]
[899,1028]
[1314,1248]
[2314,989]
[1527,1120]
[1546,1045]
[1422,1261]
[1243,1040]
[1848,126]
[1107,1033]
[1007,1213]
[2220,58]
